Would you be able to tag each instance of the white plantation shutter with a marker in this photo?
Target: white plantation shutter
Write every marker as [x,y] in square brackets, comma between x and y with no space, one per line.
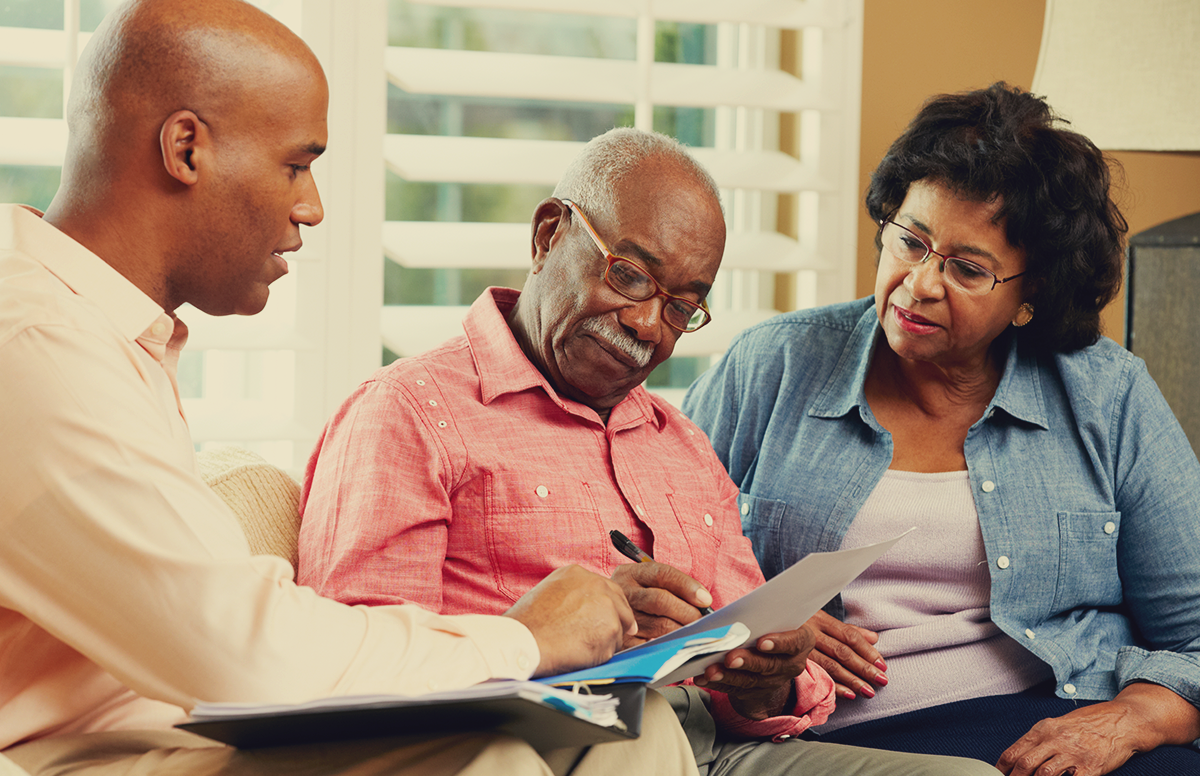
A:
[440,144]
[742,87]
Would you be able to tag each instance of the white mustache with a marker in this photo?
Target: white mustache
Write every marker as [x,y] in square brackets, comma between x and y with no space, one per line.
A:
[640,352]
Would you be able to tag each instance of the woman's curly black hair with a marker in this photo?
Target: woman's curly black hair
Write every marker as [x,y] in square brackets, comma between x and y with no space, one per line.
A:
[1003,144]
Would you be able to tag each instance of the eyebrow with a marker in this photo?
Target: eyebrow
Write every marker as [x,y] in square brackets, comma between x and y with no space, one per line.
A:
[316,149]
[633,250]
[969,250]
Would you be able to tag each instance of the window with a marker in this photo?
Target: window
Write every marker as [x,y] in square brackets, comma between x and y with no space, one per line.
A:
[448,122]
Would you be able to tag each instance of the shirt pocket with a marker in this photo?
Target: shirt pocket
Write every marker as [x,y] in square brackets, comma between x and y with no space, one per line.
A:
[1087,562]
[537,523]
[761,521]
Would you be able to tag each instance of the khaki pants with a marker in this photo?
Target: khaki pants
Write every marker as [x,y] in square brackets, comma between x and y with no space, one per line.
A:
[661,749]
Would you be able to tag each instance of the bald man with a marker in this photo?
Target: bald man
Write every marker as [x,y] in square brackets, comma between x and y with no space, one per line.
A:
[127,590]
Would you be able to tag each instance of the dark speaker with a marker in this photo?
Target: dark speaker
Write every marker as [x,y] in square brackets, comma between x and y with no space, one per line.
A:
[1162,316]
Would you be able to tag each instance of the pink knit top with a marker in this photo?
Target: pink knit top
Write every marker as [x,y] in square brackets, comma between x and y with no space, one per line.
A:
[928,598]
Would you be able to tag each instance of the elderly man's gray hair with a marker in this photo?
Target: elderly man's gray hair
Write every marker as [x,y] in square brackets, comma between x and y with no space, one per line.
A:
[592,178]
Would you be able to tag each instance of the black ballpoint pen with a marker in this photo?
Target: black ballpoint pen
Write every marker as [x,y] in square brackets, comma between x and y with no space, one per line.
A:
[637,554]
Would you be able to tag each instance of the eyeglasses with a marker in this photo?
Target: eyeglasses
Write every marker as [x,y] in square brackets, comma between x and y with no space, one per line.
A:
[962,274]
[628,279]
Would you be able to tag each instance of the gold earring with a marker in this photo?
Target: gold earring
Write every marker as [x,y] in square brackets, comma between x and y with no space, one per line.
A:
[1024,315]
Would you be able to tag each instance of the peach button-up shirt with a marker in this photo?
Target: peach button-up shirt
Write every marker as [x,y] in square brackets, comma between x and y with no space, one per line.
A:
[127,590]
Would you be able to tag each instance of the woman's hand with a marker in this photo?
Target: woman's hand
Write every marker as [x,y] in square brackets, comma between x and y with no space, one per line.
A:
[1098,739]
[848,654]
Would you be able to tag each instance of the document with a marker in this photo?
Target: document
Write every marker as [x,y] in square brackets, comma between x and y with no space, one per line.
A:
[784,603]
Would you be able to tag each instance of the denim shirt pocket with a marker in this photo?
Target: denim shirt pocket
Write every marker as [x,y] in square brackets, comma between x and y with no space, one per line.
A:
[761,520]
[1087,562]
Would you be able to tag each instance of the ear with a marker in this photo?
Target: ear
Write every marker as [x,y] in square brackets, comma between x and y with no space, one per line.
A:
[549,215]
[182,136]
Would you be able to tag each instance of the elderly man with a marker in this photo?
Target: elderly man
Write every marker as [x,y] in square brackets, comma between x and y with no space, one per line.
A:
[127,590]
[455,479]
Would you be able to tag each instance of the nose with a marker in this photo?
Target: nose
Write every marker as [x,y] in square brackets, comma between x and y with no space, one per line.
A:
[643,320]
[925,280]
[308,210]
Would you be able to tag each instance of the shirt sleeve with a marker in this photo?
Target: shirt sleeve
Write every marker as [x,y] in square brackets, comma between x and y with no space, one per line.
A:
[376,502]
[114,545]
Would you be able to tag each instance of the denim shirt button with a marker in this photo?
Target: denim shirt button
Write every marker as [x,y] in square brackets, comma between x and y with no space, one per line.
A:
[1029,634]
[745,508]
[1069,689]
[1002,561]
[988,486]
[1109,527]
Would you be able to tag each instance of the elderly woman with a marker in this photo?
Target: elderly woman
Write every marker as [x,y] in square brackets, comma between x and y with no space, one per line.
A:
[1044,613]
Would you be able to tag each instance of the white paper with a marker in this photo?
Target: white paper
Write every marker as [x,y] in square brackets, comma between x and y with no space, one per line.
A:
[784,603]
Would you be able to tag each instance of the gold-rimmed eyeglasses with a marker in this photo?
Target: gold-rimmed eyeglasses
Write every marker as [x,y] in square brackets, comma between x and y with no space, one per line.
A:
[631,281]
[965,275]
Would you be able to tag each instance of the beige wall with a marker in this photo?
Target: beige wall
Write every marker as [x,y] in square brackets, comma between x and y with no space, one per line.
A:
[917,48]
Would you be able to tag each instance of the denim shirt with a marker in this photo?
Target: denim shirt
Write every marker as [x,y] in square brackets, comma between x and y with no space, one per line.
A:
[1087,490]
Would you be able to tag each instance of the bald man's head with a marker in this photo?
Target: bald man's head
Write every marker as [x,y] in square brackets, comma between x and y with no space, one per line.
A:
[192,126]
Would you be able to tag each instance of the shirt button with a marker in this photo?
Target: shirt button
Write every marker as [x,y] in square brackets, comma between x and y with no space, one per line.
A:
[542,491]
[745,508]
[1030,634]
[708,519]
[1109,527]
[441,424]
[1002,561]
[420,382]
[691,432]
[988,486]
[159,329]
[432,403]
[1069,689]
[639,509]
[784,737]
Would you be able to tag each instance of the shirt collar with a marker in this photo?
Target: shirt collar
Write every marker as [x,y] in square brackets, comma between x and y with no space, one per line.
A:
[1019,393]
[504,368]
[132,312]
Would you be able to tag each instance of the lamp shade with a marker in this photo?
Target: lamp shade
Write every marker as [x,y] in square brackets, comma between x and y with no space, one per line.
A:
[1125,73]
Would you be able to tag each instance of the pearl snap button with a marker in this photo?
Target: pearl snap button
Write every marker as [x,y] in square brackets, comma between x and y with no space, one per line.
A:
[1109,527]
[542,491]
[708,519]
[1002,561]
[745,508]
[420,382]
[988,486]
[1069,689]
[1030,634]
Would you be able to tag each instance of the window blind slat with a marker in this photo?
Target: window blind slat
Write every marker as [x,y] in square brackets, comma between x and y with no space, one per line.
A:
[786,14]
[539,77]
[38,142]
[456,245]
[501,160]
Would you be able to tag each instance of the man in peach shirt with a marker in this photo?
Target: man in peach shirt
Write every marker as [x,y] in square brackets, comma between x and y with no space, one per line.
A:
[127,590]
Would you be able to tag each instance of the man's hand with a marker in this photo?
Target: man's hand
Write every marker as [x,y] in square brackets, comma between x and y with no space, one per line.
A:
[663,598]
[760,681]
[1098,739]
[848,654]
[579,619]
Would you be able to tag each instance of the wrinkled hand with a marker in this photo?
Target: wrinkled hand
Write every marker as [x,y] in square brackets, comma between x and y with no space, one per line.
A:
[848,654]
[760,681]
[578,618]
[663,598]
[1098,739]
